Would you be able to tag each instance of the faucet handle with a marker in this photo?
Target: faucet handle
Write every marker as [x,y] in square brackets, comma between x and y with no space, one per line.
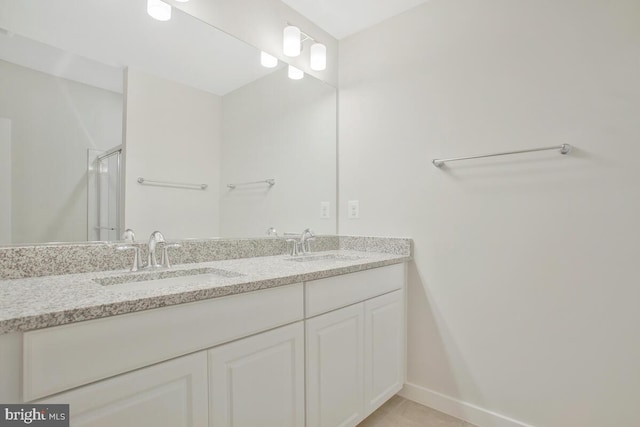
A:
[129,235]
[165,253]
[308,243]
[136,255]
[156,237]
[294,246]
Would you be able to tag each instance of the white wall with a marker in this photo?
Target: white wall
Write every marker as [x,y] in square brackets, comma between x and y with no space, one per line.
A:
[260,23]
[172,134]
[283,129]
[54,122]
[5,181]
[523,299]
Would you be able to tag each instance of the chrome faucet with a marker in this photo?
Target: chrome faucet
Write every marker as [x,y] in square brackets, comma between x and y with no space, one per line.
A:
[306,237]
[152,260]
[129,236]
[301,245]
[295,247]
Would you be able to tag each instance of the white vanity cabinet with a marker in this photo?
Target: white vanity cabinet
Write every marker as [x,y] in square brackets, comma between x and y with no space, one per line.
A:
[259,381]
[324,353]
[155,368]
[355,354]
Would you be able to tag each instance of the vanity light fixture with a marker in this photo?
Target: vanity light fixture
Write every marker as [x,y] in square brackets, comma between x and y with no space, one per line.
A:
[295,73]
[159,10]
[291,42]
[267,60]
[318,59]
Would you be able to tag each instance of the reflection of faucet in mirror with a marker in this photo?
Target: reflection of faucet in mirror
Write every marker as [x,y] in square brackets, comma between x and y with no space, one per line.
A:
[156,237]
[128,235]
[272,232]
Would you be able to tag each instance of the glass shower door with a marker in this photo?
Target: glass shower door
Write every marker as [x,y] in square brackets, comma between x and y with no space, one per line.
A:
[108,170]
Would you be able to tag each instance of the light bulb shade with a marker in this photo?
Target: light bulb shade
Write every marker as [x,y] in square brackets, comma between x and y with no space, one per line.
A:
[159,10]
[267,60]
[295,73]
[291,41]
[318,61]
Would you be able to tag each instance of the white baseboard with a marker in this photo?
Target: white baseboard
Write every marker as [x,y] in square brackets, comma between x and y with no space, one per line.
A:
[457,408]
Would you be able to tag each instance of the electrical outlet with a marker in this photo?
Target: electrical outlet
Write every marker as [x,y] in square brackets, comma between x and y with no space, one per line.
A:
[324,210]
[354,209]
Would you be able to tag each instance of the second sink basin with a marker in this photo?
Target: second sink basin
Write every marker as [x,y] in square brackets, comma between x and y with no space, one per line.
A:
[163,277]
[324,257]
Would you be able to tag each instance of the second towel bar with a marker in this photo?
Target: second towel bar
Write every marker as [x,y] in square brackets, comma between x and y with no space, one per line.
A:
[564,149]
[270,181]
[173,184]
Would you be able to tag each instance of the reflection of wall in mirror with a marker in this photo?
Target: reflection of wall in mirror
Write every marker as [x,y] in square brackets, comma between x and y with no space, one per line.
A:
[173,135]
[283,129]
[5,181]
[54,122]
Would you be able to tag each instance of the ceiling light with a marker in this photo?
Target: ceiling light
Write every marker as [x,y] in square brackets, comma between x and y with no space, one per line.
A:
[295,73]
[182,1]
[267,60]
[318,60]
[291,41]
[159,10]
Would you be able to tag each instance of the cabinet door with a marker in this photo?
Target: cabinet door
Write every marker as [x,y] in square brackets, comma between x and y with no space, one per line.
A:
[169,394]
[259,381]
[335,368]
[384,344]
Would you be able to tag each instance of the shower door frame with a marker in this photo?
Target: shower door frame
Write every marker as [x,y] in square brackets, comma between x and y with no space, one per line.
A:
[95,164]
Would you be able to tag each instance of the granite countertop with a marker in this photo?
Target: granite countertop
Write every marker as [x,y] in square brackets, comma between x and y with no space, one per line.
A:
[40,302]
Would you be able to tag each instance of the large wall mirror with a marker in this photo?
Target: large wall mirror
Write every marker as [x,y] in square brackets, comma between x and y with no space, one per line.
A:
[110,119]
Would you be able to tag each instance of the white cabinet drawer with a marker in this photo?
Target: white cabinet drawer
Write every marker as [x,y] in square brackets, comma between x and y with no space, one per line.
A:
[334,292]
[63,357]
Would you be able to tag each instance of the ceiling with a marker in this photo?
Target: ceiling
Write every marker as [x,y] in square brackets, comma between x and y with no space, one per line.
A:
[341,18]
[92,40]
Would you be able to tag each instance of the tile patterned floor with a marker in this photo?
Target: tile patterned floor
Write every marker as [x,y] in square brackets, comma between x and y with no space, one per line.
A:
[400,412]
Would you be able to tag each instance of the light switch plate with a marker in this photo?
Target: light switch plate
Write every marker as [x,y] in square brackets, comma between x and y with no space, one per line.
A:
[325,210]
[354,209]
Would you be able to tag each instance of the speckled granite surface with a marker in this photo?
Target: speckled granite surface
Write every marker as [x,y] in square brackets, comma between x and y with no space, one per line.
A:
[17,262]
[39,302]
[388,245]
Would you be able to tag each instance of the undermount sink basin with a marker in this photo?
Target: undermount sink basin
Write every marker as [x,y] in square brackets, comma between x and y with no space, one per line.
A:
[324,257]
[146,279]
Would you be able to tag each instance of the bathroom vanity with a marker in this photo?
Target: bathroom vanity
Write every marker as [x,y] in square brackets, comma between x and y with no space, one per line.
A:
[315,341]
